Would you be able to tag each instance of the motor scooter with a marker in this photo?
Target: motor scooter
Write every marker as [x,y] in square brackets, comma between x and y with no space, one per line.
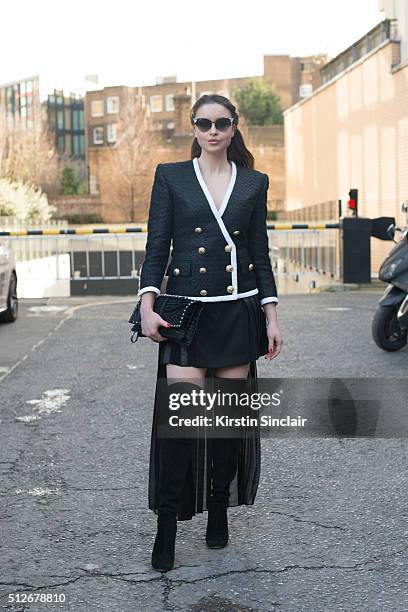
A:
[390,323]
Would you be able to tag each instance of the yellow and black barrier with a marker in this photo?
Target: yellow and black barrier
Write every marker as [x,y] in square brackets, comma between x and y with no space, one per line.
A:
[79,231]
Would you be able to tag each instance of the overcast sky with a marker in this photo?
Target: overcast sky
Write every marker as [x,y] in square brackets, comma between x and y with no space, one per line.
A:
[132,42]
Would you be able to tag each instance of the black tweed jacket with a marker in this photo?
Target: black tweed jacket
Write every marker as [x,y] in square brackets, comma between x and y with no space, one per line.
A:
[216,254]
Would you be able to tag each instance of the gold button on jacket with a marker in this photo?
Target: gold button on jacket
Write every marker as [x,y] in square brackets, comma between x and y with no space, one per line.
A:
[198,230]
[230,289]
[229,268]
[228,248]
[176,271]
[203,292]
[201,250]
[203,270]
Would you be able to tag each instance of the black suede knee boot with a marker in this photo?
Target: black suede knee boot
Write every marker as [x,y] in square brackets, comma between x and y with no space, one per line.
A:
[174,459]
[225,455]
[224,467]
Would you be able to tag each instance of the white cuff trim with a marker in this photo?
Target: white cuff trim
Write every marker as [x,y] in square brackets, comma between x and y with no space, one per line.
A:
[145,289]
[269,299]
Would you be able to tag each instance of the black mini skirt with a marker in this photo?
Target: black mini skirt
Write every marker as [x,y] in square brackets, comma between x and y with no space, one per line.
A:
[229,333]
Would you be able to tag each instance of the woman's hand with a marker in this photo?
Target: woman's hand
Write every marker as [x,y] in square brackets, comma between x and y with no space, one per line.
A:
[273,331]
[275,340]
[151,321]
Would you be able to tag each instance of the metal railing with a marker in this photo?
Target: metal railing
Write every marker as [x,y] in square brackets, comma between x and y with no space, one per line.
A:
[112,255]
[313,250]
[385,30]
[10,223]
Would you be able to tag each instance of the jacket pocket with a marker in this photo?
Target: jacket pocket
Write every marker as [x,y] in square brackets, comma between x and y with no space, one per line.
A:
[179,267]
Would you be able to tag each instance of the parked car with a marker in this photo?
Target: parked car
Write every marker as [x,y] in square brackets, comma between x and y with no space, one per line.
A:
[8,285]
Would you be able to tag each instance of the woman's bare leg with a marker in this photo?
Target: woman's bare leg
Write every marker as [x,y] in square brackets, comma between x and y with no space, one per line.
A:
[176,371]
[239,371]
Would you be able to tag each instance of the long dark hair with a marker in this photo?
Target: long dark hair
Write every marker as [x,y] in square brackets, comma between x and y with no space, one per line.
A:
[237,151]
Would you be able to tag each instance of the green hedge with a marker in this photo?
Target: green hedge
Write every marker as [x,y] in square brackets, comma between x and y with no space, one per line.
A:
[76,219]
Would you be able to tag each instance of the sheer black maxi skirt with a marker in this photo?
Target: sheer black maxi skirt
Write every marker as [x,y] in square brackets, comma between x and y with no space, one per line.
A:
[228,333]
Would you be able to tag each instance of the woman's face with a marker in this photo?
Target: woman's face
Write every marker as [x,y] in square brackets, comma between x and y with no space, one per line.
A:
[221,140]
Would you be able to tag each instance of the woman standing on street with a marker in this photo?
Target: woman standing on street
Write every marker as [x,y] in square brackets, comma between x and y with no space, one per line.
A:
[213,207]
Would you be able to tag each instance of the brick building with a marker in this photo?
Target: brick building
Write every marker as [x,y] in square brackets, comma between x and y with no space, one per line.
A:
[168,104]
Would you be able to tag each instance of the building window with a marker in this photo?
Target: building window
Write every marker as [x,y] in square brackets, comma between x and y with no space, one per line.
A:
[98,135]
[306,89]
[97,108]
[75,119]
[156,103]
[112,132]
[93,184]
[60,120]
[78,144]
[170,125]
[10,99]
[169,102]
[75,144]
[112,104]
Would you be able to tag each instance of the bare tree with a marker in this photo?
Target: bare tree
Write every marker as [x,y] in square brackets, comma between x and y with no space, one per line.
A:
[27,151]
[127,170]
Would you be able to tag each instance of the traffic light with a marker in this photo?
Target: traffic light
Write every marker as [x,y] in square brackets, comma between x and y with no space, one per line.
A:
[353,201]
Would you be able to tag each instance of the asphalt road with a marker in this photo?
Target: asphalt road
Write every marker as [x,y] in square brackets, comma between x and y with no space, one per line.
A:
[328,531]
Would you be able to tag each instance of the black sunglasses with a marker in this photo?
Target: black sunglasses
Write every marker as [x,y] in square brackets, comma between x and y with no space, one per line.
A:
[222,123]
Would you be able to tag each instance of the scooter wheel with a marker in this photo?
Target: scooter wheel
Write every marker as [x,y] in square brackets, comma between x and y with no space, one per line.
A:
[387,333]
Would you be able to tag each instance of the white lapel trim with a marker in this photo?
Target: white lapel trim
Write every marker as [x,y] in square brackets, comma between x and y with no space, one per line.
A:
[218,216]
[224,203]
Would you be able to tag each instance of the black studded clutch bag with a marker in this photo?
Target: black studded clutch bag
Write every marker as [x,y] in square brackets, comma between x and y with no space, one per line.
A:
[180,311]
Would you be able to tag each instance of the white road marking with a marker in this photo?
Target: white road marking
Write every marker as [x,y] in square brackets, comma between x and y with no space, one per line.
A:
[134,367]
[28,418]
[52,400]
[45,309]
[37,492]
[4,369]
[338,308]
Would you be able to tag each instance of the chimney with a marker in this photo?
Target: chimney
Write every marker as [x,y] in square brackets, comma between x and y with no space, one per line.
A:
[182,106]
